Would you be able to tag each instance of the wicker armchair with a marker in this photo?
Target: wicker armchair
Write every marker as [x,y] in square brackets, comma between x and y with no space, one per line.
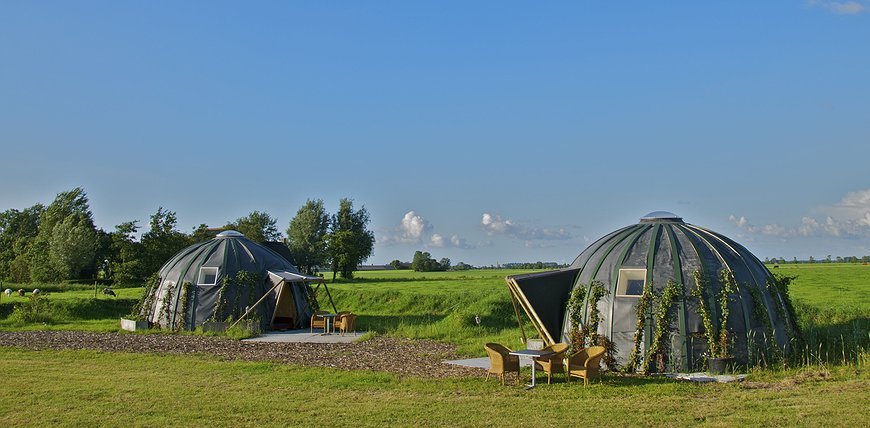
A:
[318,321]
[500,362]
[554,363]
[345,323]
[584,363]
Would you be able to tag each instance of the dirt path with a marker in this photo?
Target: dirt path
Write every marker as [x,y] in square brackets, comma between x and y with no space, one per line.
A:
[404,357]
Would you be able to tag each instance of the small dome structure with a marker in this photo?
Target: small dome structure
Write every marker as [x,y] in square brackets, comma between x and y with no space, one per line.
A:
[222,278]
[658,250]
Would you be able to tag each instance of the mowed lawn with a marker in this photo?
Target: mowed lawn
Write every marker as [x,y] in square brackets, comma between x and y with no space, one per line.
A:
[84,388]
[830,285]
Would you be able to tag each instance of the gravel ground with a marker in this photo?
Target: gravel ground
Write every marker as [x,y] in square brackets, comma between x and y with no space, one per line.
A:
[420,358]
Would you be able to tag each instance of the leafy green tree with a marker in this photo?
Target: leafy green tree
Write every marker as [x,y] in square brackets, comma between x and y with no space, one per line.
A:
[72,247]
[349,242]
[201,233]
[420,260]
[396,264]
[462,266]
[423,262]
[256,226]
[307,236]
[127,260]
[18,229]
[162,240]
[66,253]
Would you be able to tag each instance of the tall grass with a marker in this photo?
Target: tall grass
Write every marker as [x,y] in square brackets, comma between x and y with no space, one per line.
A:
[448,312]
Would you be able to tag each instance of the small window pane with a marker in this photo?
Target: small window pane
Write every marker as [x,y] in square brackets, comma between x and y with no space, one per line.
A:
[208,276]
[635,287]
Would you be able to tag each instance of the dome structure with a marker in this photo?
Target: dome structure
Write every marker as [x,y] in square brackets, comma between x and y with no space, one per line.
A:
[224,277]
[659,250]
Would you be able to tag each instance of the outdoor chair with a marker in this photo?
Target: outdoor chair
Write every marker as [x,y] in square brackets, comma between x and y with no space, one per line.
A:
[318,321]
[501,362]
[345,323]
[584,363]
[554,363]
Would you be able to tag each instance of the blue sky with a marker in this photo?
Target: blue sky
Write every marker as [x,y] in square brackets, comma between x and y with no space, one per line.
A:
[486,132]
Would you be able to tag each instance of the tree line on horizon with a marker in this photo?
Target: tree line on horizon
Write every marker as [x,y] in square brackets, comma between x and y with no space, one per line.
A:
[60,242]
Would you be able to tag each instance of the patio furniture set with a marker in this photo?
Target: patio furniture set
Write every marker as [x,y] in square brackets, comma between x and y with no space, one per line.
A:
[551,359]
[344,322]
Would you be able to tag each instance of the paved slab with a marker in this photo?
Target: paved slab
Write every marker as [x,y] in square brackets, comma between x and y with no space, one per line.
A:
[304,336]
[705,377]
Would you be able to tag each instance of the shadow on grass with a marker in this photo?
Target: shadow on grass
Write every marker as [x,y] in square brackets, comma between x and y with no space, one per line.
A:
[389,323]
[58,311]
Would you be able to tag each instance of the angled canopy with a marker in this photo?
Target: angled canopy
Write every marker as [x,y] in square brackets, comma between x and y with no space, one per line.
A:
[543,296]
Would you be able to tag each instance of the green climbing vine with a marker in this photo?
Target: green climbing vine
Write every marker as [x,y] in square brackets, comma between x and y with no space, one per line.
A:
[181,321]
[710,332]
[587,335]
[785,308]
[663,319]
[642,311]
[220,303]
[575,318]
[142,308]
[729,286]
[718,337]
[761,314]
[166,307]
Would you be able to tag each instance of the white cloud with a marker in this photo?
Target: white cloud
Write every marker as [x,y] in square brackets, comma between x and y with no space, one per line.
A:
[851,7]
[848,218]
[412,228]
[495,225]
[768,229]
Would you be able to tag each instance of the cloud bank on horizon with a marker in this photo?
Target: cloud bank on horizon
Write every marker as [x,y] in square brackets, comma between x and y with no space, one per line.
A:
[849,218]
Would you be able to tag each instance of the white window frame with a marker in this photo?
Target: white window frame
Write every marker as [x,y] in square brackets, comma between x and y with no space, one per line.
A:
[626,275]
[202,270]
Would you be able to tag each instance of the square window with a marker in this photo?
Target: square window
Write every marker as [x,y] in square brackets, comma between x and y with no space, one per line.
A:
[207,276]
[631,282]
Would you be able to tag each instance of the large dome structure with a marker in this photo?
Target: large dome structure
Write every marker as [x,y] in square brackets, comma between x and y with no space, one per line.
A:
[224,277]
[659,250]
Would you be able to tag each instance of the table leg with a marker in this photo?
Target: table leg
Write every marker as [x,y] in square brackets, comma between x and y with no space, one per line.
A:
[533,376]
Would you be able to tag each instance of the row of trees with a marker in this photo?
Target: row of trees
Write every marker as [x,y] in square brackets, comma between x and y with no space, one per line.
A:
[61,242]
[828,259]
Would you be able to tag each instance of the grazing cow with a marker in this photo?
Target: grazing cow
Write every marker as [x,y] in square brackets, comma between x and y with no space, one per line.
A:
[21,292]
[36,291]
[108,291]
[7,291]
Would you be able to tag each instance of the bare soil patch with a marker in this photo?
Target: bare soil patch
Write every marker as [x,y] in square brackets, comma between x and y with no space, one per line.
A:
[419,358]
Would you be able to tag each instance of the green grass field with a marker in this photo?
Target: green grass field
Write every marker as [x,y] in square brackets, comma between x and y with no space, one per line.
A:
[76,388]
[83,388]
